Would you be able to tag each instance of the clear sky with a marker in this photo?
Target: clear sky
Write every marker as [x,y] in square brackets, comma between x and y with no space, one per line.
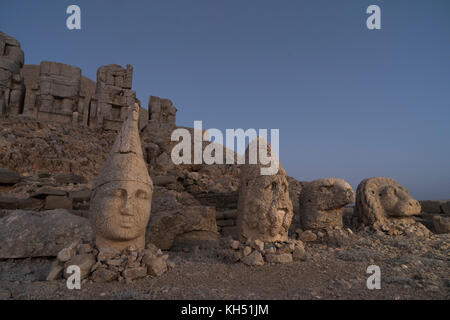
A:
[349,102]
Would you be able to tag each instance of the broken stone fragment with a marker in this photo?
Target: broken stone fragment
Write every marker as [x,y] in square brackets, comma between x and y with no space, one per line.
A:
[135,273]
[308,236]
[83,261]
[298,253]
[246,251]
[55,272]
[103,275]
[156,266]
[253,259]
[68,252]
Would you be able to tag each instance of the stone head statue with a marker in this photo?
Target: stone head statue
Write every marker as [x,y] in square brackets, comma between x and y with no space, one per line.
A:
[383,199]
[121,201]
[322,202]
[264,208]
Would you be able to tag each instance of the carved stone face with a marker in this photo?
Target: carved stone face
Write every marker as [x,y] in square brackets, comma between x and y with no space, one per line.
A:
[265,209]
[397,202]
[120,211]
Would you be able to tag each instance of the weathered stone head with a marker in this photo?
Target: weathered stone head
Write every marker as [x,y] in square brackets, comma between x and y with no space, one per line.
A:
[264,208]
[380,200]
[121,201]
[322,202]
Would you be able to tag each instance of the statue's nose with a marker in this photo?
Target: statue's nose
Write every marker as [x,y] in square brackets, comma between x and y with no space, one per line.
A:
[126,208]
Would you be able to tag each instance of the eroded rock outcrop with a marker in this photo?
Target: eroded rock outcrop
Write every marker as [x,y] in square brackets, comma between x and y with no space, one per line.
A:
[322,201]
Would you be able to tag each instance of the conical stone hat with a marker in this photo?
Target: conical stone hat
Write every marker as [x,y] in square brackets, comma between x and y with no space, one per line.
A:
[126,161]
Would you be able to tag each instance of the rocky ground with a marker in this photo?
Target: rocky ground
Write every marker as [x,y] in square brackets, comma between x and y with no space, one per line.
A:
[411,268]
[48,170]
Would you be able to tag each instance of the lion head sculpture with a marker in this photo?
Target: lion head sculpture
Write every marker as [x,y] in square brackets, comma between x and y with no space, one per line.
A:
[382,200]
[322,201]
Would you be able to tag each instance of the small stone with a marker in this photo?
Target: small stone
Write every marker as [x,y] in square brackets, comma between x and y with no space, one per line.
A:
[235,244]
[67,253]
[104,275]
[253,259]
[135,273]
[279,258]
[298,253]
[271,250]
[156,266]
[170,264]
[55,271]
[308,236]
[259,245]
[247,250]
[84,261]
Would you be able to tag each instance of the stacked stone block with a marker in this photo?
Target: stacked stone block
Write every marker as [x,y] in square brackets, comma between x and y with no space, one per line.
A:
[12,88]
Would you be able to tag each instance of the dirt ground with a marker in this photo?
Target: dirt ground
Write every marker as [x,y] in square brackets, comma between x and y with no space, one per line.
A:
[411,268]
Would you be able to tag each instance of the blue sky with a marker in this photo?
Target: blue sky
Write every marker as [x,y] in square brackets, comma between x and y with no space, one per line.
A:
[349,102]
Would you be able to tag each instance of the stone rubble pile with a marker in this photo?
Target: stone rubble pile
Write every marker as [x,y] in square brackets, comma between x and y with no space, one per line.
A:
[106,265]
[258,253]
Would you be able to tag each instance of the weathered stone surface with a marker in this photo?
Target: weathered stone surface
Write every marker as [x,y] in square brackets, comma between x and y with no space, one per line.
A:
[264,207]
[12,88]
[298,253]
[253,259]
[164,180]
[48,191]
[68,252]
[279,258]
[135,273]
[121,200]
[445,207]
[13,203]
[322,202]
[81,195]
[308,236]
[103,275]
[8,176]
[55,272]
[156,266]
[66,178]
[40,234]
[431,206]
[382,203]
[441,224]
[113,97]
[165,227]
[58,202]
[84,261]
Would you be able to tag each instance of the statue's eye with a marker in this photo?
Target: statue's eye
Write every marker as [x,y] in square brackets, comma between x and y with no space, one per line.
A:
[117,193]
[141,194]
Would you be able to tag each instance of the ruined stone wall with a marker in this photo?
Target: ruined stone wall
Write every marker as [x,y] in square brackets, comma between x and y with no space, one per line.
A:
[56,79]
[113,97]
[12,88]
